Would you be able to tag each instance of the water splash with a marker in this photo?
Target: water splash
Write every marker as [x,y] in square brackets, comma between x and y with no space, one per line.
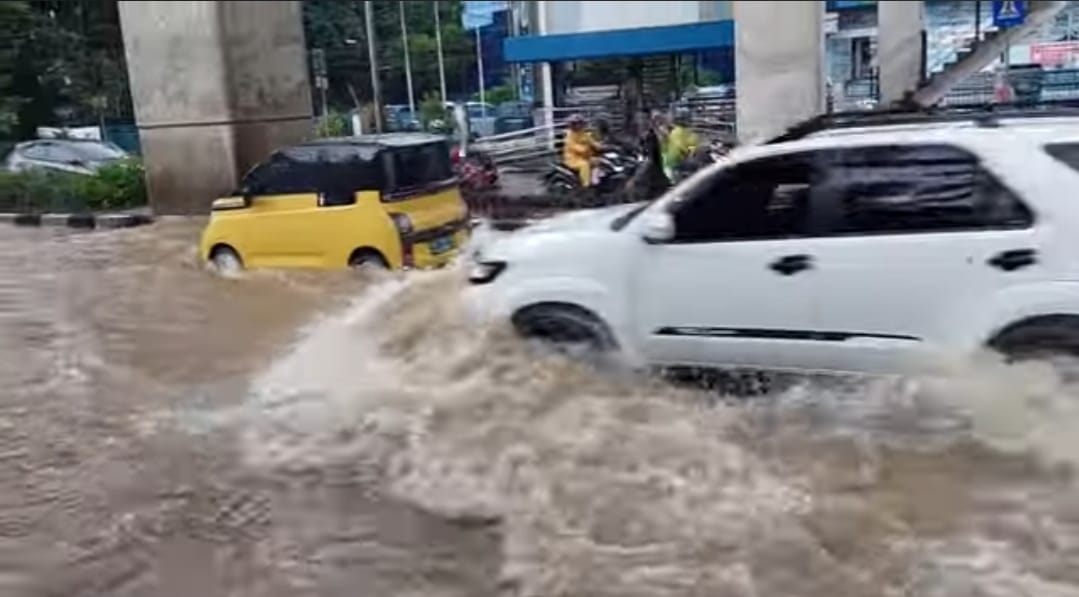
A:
[626,486]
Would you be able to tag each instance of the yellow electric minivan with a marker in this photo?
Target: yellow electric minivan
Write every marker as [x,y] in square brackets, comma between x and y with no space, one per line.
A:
[388,200]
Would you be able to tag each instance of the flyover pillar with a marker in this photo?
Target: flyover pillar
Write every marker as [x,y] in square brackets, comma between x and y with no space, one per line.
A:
[899,47]
[216,87]
[779,65]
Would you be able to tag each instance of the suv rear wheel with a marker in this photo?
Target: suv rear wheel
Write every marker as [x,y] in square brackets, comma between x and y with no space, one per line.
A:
[1050,337]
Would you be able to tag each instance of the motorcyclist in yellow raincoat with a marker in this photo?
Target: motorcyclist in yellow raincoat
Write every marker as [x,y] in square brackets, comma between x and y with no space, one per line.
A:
[681,144]
[579,148]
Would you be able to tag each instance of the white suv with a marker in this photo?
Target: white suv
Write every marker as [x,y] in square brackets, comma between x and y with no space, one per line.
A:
[874,248]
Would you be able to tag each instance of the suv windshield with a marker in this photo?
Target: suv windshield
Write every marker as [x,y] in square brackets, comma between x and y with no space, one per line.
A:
[418,166]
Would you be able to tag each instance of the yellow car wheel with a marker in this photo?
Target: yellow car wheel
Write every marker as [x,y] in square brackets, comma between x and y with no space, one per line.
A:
[367,260]
[226,261]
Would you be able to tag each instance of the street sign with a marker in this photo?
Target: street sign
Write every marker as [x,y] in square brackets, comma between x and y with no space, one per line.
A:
[1009,13]
[831,23]
[477,14]
[318,62]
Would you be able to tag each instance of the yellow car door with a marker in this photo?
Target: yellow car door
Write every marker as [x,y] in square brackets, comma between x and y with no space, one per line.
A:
[279,231]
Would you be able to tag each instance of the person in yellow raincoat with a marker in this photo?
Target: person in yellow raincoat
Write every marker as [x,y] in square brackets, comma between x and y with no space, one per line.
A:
[579,148]
[681,143]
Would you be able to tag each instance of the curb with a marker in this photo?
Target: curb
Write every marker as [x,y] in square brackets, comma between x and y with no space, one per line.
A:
[79,221]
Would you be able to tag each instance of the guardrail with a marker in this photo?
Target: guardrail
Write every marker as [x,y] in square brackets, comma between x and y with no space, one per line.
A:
[526,148]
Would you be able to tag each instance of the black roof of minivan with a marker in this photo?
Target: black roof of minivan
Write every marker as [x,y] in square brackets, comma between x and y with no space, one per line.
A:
[382,140]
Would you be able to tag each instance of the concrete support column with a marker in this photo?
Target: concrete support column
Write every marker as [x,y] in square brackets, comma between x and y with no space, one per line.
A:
[779,65]
[899,47]
[216,86]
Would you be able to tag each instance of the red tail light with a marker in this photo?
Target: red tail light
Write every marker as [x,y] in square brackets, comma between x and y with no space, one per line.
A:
[455,155]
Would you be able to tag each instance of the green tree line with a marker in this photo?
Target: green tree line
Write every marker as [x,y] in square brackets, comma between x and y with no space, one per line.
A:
[62,61]
[338,28]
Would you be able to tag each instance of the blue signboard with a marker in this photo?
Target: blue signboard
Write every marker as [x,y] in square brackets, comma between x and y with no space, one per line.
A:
[834,5]
[1009,13]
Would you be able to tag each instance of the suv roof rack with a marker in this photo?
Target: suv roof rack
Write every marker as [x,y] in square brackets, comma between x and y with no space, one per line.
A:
[986,115]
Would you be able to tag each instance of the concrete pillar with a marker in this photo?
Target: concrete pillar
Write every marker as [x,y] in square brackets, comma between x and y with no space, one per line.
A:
[779,65]
[899,47]
[216,86]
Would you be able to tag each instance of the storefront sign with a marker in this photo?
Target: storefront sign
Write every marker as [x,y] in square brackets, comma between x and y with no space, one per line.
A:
[1060,53]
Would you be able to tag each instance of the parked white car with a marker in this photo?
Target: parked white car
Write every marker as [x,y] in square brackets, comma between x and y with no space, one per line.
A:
[873,248]
[75,156]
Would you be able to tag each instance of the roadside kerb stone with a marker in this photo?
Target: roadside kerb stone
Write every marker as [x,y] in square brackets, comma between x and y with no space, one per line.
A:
[82,221]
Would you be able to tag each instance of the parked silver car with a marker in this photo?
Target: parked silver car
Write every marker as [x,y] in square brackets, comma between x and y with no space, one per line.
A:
[65,155]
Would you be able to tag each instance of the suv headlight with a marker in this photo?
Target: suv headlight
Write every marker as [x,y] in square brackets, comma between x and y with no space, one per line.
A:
[483,272]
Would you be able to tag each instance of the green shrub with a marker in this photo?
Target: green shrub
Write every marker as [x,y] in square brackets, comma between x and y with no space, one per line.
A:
[118,185]
[333,124]
[115,186]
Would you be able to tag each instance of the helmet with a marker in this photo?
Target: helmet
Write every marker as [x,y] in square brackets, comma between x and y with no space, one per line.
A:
[576,122]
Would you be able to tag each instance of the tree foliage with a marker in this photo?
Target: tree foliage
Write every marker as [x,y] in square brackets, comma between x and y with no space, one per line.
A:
[62,63]
[338,28]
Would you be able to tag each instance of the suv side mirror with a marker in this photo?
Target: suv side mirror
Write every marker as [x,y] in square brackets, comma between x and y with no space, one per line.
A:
[658,227]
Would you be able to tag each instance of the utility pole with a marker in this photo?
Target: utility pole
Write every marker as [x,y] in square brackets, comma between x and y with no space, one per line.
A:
[441,61]
[408,62]
[372,53]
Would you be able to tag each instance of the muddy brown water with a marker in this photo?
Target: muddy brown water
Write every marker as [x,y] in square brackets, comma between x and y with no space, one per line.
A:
[164,431]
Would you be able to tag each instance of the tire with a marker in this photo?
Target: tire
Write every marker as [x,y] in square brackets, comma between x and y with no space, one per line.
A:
[367,261]
[1049,338]
[226,261]
[568,329]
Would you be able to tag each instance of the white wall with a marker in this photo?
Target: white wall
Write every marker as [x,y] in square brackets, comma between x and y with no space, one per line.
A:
[605,15]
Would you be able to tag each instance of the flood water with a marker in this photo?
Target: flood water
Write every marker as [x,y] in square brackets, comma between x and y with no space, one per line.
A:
[164,431]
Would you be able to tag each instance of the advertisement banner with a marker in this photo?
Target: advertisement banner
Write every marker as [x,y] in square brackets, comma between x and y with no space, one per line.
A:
[1059,53]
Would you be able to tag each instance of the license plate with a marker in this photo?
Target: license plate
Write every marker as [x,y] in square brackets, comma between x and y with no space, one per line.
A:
[441,244]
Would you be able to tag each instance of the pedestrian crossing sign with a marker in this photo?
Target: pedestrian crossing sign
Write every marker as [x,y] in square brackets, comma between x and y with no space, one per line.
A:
[1009,13]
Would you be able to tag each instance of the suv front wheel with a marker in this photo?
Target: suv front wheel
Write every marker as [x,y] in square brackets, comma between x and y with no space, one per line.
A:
[568,328]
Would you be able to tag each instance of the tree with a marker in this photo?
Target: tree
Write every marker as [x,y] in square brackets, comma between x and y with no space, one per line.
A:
[69,64]
[13,19]
[338,28]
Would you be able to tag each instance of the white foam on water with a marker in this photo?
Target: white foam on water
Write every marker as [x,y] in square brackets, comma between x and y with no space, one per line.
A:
[624,486]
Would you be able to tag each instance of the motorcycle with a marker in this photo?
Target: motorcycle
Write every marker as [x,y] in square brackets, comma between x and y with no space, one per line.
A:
[476,170]
[611,170]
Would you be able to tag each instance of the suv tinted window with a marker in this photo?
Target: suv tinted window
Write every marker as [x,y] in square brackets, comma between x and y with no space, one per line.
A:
[923,188]
[1065,153]
[761,199]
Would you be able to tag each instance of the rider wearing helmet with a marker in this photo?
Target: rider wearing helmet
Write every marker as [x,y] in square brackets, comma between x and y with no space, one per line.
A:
[681,143]
[579,148]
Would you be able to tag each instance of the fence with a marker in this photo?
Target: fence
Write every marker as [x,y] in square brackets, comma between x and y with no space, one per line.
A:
[1030,85]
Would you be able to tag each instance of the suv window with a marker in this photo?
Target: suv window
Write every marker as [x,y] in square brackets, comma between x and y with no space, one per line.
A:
[1065,153]
[914,188]
[761,199]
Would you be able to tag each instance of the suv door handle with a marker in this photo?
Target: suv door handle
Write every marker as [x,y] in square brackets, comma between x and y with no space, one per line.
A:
[1014,259]
[792,264]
